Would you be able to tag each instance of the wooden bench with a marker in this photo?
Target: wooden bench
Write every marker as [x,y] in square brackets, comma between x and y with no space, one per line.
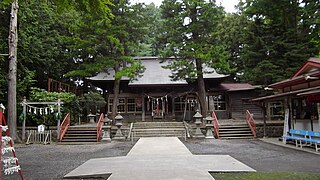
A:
[298,136]
[314,137]
[303,137]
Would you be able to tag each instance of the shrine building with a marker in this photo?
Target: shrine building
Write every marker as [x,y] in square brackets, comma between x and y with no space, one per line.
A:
[155,97]
[297,99]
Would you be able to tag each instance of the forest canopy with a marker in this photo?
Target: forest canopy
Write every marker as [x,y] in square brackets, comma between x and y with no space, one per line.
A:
[263,42]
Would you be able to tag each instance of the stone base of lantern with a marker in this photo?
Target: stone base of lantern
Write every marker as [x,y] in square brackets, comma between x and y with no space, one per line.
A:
[198,134]
[106,134]
[119,135]
[209,134]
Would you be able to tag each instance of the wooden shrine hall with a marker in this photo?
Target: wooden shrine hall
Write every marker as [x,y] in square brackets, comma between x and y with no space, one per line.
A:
[154,96]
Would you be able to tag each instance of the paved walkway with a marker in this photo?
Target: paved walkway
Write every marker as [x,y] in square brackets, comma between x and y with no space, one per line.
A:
[159,158]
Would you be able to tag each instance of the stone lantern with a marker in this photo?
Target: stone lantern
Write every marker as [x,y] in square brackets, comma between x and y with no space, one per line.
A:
[119,134]
[91,118]
[198,118]
[209,126]
[106,129]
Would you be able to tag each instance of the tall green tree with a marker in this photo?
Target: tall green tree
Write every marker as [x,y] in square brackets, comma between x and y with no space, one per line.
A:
[189,34]
[232,33]
[105,45]
[280,38]
[95,7]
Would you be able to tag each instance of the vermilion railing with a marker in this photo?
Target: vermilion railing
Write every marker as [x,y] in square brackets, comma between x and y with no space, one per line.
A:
[99,127]
[252,123]
[64,126]
[215,125]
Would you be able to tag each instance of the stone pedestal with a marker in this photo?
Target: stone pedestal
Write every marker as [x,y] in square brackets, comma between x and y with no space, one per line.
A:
[198,133]
[106,134]
[209,126]
[119,135]
[91,118]
[209,134]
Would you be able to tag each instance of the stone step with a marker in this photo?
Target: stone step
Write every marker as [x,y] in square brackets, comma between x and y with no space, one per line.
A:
[159,135]
[82,128]
[155,127]
[234,129]
[77,143]
[233,126]
[80,137]
[234,132]
[79,140]
[158,129]
[163,124]
[239,137]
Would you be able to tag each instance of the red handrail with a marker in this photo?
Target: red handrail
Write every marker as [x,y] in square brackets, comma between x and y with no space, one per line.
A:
[215,125]
[99,127]
[64,126]
[252,123]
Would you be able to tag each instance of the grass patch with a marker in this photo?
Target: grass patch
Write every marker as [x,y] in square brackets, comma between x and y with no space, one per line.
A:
[265,176]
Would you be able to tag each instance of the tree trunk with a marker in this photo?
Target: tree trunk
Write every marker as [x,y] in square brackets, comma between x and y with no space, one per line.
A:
[116,91]
[201,89]
[12,74]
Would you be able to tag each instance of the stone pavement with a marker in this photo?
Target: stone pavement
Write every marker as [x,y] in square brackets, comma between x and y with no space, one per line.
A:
[159,158]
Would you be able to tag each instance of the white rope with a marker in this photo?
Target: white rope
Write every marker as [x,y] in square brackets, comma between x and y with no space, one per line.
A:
[9,161]
[7,149]
[6,139]
[4,128]
[11,170]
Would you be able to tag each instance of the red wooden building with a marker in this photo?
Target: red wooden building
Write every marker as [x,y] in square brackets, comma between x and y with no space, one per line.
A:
[297,98]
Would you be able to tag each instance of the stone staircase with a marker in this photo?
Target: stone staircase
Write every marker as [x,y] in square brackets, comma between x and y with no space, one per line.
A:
[235,131]
[80,135]
[158,129]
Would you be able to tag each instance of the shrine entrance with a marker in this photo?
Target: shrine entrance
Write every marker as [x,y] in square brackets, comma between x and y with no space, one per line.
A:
[158,108]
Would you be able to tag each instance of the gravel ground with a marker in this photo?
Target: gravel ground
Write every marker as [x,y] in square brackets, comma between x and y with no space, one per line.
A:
[43,162]
[259,155]
[54,161]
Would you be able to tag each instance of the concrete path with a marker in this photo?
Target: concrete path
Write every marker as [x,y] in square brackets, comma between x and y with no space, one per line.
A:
[159,158]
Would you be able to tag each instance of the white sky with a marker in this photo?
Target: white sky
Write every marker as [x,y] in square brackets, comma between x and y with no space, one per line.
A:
[227,4]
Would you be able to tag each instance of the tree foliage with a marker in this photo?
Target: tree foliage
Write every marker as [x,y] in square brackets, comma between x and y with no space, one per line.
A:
[189,34]
[279,39]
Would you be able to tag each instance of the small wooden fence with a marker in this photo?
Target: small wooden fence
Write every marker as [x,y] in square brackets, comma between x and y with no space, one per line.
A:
[35,137]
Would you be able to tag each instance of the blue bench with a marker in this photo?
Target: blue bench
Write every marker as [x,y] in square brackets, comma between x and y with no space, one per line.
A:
[303,137]
[298,136]
[314,137]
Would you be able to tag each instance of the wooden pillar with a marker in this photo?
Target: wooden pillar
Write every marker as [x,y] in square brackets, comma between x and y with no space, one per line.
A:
[286,120]
[143,108]
[172,103]
[59,114]
[264,109]
[12,73]
[24,118]
[267,108]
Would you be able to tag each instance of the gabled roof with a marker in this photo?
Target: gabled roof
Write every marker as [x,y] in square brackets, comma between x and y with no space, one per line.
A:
[310,69]
[311,65]
[300,92]
[237,86]
[153,75]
